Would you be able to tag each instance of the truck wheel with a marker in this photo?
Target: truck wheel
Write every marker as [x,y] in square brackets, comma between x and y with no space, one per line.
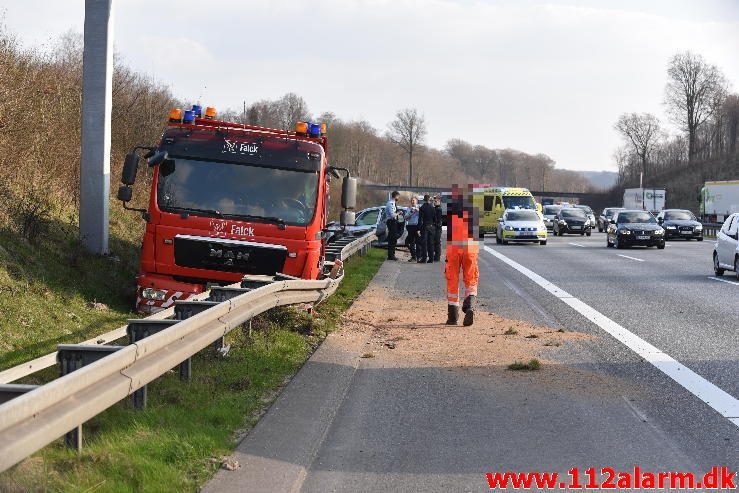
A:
[543,242]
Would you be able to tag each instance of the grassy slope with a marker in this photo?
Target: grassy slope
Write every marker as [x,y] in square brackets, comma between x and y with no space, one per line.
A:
[169,446]
[47,287]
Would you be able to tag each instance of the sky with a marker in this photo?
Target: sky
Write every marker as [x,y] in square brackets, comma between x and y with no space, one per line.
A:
[549,76]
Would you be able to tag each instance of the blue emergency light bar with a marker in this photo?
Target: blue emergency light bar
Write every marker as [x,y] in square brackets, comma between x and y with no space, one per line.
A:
[188,117]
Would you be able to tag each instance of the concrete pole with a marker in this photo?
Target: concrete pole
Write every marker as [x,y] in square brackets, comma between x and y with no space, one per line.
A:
[97,102]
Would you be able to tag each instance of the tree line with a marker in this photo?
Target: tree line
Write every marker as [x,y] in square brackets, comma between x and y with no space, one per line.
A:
[40,137]
[699,103]
[398,154]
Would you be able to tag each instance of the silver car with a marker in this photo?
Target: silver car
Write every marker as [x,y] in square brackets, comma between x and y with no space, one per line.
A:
[372,218]
[726,251]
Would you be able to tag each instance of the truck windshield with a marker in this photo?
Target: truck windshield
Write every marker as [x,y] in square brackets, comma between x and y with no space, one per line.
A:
[237,190]
[520,201]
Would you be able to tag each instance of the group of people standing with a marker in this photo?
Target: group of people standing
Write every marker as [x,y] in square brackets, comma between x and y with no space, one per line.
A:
[424,242]
[423,225]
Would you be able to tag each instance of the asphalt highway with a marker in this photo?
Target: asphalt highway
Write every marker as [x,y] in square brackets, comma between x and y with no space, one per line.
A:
[351,424]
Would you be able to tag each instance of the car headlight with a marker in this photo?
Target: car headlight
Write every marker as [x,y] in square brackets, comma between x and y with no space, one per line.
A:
[659,232]
[671,227]
[625,232]
[563,222]
[153,294]
[587,222]
[699,227]
[508,228]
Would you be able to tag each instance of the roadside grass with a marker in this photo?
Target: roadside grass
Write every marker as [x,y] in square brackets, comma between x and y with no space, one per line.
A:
[533,365]
[48,288]
[178,442]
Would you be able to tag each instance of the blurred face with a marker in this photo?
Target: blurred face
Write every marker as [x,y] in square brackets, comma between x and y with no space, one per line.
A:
[414,202]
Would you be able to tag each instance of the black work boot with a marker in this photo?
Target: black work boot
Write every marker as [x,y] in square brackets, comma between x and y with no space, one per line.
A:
[453,316]
[468,307]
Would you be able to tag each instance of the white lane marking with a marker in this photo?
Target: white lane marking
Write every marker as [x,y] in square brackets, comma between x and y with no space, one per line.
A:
[576,244]
[721,401]
[631,258]
[724,280]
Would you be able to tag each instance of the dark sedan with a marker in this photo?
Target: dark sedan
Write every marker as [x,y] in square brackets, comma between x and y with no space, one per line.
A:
[573,221]
[680,223]
[634,228]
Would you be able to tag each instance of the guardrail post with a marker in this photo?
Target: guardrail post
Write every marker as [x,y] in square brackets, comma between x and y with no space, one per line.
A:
[186,309]
[72,357]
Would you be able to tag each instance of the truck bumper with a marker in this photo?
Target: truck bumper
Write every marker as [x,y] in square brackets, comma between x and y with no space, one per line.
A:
[155,292]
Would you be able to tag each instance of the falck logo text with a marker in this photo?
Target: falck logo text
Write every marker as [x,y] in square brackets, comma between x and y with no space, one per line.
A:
[233,147]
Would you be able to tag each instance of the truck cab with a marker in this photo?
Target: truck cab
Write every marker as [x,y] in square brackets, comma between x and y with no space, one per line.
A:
[229,199]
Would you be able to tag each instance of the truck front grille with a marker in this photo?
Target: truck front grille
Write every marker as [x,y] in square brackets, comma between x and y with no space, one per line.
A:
[202,252]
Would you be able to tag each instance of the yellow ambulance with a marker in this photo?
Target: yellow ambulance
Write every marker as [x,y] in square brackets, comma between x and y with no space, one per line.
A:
[491,202]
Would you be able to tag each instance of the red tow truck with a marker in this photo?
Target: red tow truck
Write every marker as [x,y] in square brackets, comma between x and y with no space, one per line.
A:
[229,199]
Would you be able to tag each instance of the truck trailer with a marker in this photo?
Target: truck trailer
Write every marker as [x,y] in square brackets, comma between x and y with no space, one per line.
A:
[228,199]
[719,199]
[646,199]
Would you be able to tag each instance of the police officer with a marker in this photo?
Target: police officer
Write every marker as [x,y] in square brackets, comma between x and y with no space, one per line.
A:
[411,225]
[426,228]
[393,227]
[437,225]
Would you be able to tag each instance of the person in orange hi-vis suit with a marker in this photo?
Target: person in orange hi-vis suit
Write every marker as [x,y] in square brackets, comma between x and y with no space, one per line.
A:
[462,249]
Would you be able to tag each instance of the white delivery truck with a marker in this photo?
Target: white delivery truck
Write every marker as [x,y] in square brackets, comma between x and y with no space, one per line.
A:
[719,199]
[646,199]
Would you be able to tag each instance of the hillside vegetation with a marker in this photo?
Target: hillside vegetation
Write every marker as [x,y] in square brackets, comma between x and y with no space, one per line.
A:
[699,103]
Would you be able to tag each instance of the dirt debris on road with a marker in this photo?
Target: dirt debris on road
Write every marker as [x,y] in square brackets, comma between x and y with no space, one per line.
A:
[412,332]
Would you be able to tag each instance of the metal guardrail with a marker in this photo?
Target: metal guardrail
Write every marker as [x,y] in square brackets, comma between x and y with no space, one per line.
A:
[711,229]
[33,416]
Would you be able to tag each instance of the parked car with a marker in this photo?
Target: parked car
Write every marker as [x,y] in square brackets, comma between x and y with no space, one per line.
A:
[589,212]
[372,218]
[520,225]
[634,228]
[605,217]
[726,251]
[549,212]
[680,223]
[571,220]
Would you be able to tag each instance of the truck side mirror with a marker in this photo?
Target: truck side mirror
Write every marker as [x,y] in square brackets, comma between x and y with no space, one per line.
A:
[125,193]
[349,193]
[158,158]
[130,168]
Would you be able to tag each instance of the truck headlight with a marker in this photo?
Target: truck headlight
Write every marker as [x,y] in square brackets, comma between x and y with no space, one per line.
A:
[153,294]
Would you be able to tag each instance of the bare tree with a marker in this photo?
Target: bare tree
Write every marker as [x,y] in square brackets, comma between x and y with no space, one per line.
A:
[408,131]
[642,131]
[292,109]
[693,89]
[731,116]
